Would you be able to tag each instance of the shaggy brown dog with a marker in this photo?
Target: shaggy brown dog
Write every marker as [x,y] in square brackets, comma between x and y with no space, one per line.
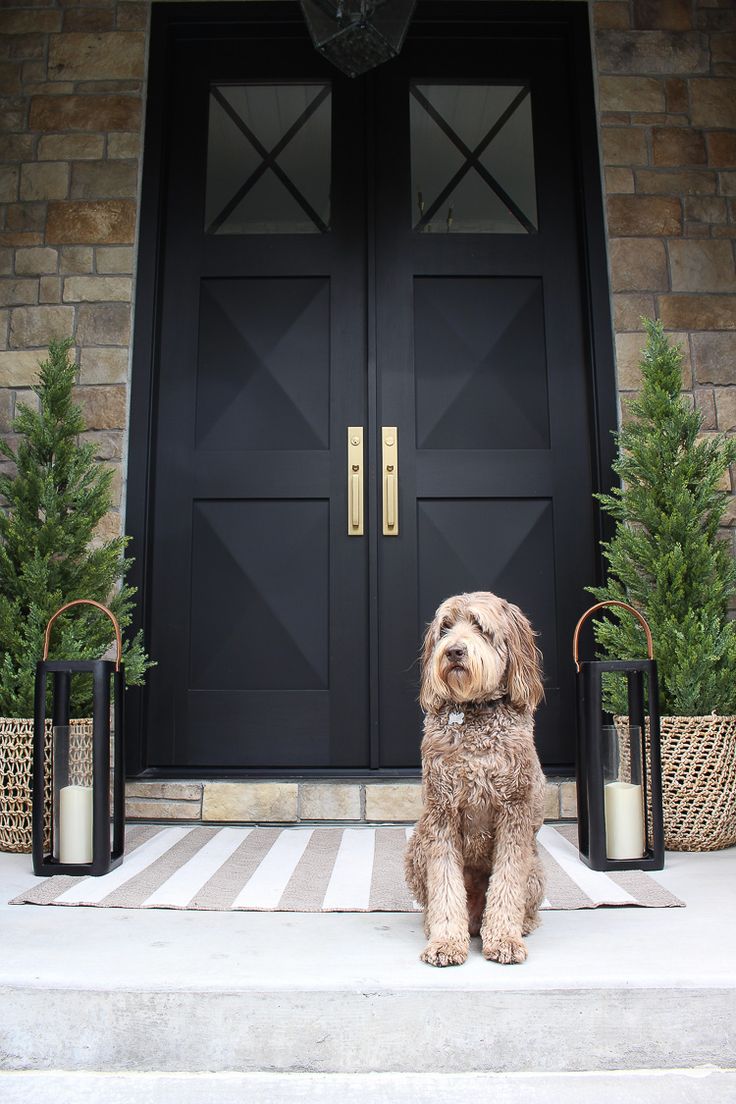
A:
[472,862]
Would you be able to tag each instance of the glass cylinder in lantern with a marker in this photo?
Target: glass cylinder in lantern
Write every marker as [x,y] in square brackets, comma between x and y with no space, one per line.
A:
[87,762]
[619,774]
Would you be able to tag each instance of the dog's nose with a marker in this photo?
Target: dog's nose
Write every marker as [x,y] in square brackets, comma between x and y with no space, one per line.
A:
[456,653]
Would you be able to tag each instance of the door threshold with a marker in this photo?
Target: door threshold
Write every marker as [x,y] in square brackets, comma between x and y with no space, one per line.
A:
[297,800]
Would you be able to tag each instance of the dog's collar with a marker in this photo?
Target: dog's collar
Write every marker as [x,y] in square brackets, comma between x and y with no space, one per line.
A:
[458,715]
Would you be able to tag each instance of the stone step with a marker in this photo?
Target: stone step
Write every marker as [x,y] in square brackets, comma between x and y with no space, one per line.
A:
[696,1086]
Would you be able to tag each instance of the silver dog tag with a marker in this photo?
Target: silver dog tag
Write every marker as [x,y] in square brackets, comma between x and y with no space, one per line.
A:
[456,718]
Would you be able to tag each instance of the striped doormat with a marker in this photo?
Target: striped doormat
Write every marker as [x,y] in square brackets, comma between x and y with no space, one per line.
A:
[308,870]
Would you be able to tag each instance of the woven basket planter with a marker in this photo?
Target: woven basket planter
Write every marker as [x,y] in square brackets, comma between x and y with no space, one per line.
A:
[698,781]
[16,778]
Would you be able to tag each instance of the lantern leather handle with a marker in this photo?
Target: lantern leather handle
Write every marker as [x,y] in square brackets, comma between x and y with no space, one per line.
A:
[86,602]
[602,605]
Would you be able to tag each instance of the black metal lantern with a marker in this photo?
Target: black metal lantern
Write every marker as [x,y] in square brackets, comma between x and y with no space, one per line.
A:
[82,783]
[357,35]
[619,774]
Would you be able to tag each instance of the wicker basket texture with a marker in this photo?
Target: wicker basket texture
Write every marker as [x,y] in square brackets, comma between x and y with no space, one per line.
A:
[16,777]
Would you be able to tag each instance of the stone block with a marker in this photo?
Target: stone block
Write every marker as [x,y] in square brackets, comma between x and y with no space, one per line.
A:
[89,19]
[105,222]
[698,312]
[107,529]
[6,411]
[393,801]
[8,183]
[7,257]
[660,51]
[329,801]
[19,368]
[713,103]
[705,403]
[611,14]
[663,182]
[70,147]
[114,259]
[138,809]
[702,265]
[49,289]
[725,401]
[165,791]
[105,365]
[676,95]
[630,94]
[721,146]
[638,264]
[108,443]
[629,347]
[103,407]
[119,55]
[678,146]
[624,146]
[132,16]
[97,289]
[552,801]
[18,292]
[75,259]
[714,355]
[706,209]
[104,179]
[38,261]
[723,47]
[36,326]
[44,180]
[34,21]
[124,145]
[25,216]
[618,181]
[10,77]
[99,113]
[665,15]
[644,216]
[568,801]
[19,238]
[16,147]
[103,323]
[727,183]
[628,311]
[250,801]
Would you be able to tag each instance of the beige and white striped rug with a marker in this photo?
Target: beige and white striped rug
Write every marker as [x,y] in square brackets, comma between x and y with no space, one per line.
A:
[308,870]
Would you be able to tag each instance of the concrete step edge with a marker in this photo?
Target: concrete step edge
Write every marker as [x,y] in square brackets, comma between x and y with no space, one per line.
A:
[701,1085]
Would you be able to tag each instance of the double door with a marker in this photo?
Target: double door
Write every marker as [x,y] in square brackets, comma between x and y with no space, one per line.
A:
[371,387]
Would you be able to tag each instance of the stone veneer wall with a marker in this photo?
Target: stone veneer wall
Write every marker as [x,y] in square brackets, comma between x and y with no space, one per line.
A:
[667,100]
[71,116]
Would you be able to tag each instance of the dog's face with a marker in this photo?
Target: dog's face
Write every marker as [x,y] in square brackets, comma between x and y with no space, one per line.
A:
[479,647]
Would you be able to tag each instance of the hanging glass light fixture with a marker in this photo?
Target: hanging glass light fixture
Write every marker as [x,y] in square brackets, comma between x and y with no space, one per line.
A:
[357,35]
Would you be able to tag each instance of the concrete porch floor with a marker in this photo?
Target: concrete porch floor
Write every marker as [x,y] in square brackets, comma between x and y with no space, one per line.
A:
[237,998]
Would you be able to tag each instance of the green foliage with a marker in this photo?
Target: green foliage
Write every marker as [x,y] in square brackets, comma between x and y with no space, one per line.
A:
[666,557]
[55,499]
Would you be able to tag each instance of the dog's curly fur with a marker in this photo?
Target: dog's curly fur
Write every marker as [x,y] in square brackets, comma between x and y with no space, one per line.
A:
[472,862]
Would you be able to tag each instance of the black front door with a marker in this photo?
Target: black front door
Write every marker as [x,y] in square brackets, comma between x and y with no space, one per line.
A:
[392,261]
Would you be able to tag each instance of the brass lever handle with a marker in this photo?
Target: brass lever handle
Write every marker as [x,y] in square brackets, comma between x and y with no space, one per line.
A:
[390,458]
[355,481]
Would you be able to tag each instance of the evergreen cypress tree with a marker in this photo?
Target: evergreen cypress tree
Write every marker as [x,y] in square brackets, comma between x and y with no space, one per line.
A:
[666,557]
[47,553]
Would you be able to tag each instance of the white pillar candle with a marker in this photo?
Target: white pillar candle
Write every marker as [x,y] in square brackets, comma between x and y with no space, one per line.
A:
[75,824]
[624,812]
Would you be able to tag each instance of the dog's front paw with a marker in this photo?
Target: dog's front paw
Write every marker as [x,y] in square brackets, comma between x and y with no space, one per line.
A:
[445,952]
[506,950]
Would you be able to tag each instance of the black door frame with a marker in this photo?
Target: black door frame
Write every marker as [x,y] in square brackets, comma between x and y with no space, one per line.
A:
[171,22]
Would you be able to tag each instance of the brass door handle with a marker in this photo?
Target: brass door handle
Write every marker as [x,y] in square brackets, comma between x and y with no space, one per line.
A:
[390,462]
[355,481]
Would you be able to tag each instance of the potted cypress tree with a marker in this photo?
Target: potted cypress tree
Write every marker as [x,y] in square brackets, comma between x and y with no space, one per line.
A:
[54,499]
[668,559]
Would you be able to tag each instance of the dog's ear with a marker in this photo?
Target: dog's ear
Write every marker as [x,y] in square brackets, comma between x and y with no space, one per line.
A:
[525,661]
[428,698]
